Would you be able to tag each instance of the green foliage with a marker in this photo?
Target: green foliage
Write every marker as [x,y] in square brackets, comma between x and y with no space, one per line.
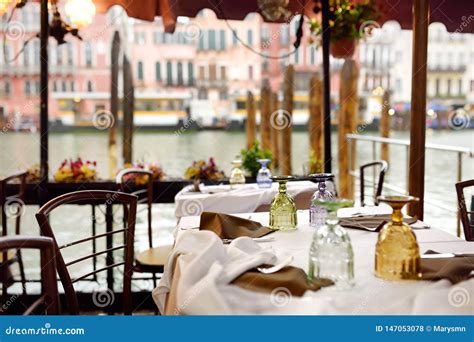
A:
[250,157]
[348,20]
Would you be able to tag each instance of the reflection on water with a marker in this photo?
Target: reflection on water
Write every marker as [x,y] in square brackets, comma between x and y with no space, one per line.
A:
[176,151]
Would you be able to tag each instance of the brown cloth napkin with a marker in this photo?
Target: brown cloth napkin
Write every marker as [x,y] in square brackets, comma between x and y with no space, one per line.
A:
[292,279]
[373,223]
[231,227]
[455,269]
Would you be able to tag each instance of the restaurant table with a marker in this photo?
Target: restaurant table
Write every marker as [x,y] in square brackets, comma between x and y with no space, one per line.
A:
[247,198]
[370,295]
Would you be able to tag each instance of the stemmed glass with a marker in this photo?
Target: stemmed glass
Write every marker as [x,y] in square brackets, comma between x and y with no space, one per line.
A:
[237,178]
[264,174]
[283,207]
[318,213]
[397,255]
[331,255]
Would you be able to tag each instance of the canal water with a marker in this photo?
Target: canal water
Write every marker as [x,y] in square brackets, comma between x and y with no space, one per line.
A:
[176,150]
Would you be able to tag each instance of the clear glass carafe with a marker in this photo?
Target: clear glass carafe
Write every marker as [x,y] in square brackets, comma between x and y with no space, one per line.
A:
[264,174]
[237,178]
[397,255]
[283,207]
[331,255]
[318,213]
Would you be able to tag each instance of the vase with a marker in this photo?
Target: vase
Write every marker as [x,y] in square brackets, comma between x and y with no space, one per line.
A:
[397,255]
[343,48]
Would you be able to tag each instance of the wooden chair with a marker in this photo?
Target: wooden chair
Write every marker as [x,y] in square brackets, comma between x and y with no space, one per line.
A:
[378,186]
[468,224]
[152,260]
[98,197]
[49,298]
[12,207]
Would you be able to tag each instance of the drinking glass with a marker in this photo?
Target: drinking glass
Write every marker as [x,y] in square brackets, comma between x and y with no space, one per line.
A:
[237,178]
[397,255]
[283,207]
[331,255]
[264,174]
[318,213]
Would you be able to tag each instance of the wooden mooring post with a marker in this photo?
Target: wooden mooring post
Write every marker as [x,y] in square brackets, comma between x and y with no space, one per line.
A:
[315,125]
[347,118]
[250,123]
[265,107]
[274,132]
[385,126]
[285,122]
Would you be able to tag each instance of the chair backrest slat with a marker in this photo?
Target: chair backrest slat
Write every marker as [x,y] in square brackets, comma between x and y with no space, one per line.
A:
[468,226]
[94,196]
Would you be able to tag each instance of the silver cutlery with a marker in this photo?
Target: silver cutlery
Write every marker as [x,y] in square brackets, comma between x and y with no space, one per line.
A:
[260,239]
[445,255]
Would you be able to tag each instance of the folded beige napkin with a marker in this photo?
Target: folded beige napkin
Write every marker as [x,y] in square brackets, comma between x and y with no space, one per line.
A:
[373,223]
[292,280]
[455,269]
[231,227]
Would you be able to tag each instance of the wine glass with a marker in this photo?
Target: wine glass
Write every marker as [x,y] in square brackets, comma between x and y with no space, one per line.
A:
[283,207]
[397,255]
[331,255]
[317,213]
[264,174]
[237,178]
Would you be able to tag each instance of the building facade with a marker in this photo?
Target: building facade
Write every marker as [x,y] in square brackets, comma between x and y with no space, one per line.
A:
[206,67]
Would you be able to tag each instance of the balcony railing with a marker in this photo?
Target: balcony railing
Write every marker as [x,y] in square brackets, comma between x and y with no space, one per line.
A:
[460,152]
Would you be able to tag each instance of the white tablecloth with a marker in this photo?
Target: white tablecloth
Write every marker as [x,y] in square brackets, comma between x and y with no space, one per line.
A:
[207,267]
[227,201]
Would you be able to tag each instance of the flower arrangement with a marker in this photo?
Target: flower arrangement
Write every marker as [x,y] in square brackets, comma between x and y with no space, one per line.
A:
[202,170]
[157,172]
[251,156]
[349,21]
[72,171]
[33,174]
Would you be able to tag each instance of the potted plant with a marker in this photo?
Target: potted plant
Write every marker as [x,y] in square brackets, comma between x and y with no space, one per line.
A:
[157,172]
[251,156]
[349,21]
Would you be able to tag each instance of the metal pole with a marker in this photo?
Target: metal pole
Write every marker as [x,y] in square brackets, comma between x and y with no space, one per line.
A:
[44,168]
[459,178]
[326,87]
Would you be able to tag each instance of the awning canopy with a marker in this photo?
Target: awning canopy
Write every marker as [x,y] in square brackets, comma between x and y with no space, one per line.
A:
[456,15]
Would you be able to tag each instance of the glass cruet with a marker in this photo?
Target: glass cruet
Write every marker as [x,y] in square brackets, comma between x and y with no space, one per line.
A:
[237,178]
[317,213]
[283,207]
[331,255]
[264,174]
[397,255]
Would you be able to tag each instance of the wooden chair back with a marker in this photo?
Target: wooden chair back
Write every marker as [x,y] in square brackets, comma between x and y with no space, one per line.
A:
[467,223]
[125,180]
[49,297]
[97,197]
[378,186]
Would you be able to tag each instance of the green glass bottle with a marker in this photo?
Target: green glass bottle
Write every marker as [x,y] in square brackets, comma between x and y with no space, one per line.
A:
[283,207]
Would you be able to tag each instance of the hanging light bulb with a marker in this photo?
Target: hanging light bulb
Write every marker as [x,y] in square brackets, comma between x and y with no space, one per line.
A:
[273,9]
[4,4]
[80,12]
